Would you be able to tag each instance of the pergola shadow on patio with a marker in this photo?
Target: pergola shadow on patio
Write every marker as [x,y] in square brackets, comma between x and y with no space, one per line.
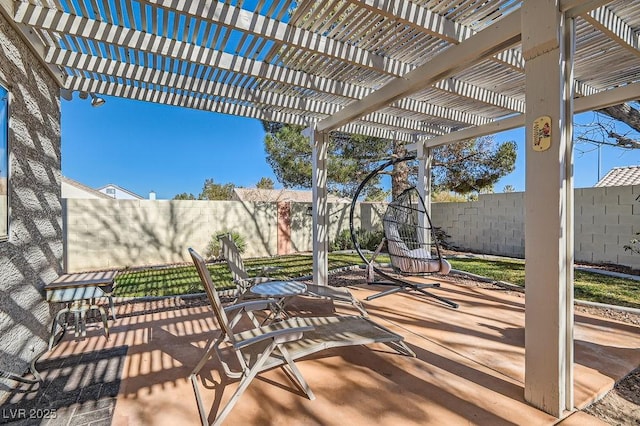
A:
[424,73]
[469,367]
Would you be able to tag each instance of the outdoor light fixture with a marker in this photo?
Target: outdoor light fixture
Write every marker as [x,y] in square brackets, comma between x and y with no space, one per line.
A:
[96,101]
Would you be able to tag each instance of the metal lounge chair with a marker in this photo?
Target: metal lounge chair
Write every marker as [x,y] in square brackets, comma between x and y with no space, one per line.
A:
[278,344]
[244,282]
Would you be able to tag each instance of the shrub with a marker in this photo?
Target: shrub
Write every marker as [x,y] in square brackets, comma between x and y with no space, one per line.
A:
[214,249]
[342,241]
[634,245]
[443,238]
[368,240]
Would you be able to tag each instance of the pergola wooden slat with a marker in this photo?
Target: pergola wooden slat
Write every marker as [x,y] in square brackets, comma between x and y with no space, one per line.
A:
[221,15]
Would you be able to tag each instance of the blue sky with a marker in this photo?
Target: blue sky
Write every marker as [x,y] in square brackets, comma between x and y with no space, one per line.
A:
[147,147]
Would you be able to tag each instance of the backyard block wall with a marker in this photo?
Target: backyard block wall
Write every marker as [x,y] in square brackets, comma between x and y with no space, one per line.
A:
[605,220]
[494,224]
[32,256]
[115,234]
[119,233]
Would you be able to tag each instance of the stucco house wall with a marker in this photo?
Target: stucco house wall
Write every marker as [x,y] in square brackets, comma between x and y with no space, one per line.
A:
[114,191]
[73,189]
[32,256]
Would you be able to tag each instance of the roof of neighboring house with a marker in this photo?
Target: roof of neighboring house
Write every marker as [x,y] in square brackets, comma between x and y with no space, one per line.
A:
[621,176]
[90,191]
[119,188]
[274,195]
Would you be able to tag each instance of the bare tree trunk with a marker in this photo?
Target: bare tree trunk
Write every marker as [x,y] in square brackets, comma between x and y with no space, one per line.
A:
[400,173]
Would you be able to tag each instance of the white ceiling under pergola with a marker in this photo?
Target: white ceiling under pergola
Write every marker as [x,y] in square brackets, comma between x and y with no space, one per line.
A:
[303,62]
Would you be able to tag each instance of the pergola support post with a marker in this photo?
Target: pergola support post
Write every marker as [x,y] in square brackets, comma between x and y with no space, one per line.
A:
[547,45]
[319,147]
[425,157]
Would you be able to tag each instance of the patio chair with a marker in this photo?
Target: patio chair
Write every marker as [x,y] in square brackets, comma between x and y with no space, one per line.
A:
[277,345]
[244,282]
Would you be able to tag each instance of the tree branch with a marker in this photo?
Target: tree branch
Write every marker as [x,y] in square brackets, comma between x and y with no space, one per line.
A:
[624,141]
[625,113]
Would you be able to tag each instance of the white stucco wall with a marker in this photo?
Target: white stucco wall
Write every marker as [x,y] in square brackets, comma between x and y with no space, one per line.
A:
[71,191]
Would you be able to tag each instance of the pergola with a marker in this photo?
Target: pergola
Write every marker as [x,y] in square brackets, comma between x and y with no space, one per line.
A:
[426,72]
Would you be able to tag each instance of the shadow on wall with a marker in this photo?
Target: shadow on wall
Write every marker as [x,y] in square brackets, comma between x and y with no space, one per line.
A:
[366,215]
[260,229]
[32,256]
[115,234]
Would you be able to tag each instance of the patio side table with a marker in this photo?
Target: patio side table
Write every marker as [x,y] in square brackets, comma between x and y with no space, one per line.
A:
[282,290]
[79,292]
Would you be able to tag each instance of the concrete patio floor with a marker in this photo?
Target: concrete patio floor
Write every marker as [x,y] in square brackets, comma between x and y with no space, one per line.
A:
[469,367]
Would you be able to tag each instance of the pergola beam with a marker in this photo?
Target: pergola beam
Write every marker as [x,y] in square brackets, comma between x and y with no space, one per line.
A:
[7,8]
[615,28]
[607,98]
[418,17]
[476,93]
[433,110]
[436,25]
[476,132]
[423,19]
[496,38]
[574,8]
[599,100]
[201,103]
[56,21]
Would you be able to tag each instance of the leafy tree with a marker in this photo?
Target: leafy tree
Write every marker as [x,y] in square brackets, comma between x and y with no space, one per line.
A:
[289,155]
[216,191]
[463,167]
[447,197]
[184,196]
[265,183]
[350,158]
[509,188]
[376,194]
[473,165]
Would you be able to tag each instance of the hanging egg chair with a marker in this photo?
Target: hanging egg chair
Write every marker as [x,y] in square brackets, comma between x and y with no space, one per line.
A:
[410,239]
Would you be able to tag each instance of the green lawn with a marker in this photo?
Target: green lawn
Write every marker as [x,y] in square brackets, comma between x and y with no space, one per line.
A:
[587,285]
[168,281]
[184,280]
